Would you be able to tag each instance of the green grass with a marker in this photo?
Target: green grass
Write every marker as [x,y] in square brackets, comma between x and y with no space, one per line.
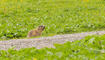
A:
[90,48]
[17,17]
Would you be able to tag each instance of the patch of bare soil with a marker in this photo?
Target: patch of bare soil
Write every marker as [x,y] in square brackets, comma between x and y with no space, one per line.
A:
[45,41]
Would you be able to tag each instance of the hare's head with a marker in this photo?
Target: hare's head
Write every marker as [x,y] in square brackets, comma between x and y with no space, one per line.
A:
[41,27]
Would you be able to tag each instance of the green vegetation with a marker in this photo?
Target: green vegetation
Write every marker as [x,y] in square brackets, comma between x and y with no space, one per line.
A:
[17,17]
[90,48]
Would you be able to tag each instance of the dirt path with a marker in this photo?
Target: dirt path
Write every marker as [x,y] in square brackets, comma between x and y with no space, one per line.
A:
[45,41]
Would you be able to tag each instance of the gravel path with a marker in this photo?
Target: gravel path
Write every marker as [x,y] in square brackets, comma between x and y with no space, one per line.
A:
[45,41]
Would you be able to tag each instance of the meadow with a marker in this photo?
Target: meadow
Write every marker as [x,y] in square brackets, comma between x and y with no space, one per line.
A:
[90,48]
[17,17]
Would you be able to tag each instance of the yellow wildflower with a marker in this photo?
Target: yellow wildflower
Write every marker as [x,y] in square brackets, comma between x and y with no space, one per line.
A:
[86,0]
[34,59]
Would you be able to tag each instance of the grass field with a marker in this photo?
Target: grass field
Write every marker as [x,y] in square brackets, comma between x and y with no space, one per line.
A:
[17,17]
[90,48]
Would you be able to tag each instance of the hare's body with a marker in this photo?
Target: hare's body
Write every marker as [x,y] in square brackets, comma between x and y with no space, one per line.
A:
[36,32]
